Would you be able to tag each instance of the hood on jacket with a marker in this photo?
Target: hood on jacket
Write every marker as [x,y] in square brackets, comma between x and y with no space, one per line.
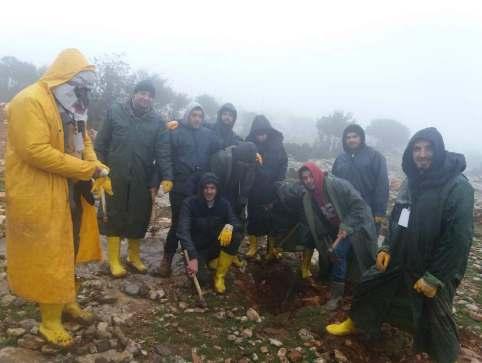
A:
[357,129]
[190,108]
[445,164]
[208,178]
[318,177]
[244,152]
[261,123]
[227,107]
[66,66]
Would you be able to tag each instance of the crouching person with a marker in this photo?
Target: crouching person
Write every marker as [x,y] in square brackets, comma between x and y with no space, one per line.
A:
[209,231]
[341,227]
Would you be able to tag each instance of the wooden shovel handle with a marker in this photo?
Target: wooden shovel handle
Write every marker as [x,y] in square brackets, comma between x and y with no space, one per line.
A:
[196,282]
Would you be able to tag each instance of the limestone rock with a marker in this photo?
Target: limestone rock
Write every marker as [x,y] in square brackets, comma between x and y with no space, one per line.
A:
[294,356]
[253,315]
[29,341]
[275,342]
[340,357]
[15,332]
[17,355]
[305,335]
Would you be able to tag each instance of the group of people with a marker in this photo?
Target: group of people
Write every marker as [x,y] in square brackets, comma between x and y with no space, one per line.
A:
[221,189]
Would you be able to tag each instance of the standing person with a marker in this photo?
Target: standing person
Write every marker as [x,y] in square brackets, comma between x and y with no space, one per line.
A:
[223,127]
[341,226]
[235,168]
[209,230]
[192,144]
[72,102]
[425,255]
[272,168]
[366,169]
[40,237]
[134,143]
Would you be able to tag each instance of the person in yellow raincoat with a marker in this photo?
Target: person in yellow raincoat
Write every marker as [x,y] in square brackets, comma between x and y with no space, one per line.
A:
[40,248]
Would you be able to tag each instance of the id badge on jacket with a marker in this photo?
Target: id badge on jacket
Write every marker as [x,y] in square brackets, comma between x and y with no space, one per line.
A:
[404,217]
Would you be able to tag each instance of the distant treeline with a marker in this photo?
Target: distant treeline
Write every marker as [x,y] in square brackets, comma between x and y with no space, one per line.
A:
[116,81]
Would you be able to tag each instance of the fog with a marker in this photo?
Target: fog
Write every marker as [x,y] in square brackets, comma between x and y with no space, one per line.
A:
[417,62]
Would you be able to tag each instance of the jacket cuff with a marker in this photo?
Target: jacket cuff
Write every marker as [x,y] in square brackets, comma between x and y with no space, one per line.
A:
[432,280]
[384,249]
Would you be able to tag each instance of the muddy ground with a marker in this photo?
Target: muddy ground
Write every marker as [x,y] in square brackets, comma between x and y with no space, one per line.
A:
[267,315]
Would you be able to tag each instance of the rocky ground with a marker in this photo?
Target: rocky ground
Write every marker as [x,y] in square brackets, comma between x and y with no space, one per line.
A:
[268,314]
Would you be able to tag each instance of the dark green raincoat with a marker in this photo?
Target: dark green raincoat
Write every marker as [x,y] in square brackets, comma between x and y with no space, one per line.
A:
[308,230]
[435,246]
[355,217]
[136,149]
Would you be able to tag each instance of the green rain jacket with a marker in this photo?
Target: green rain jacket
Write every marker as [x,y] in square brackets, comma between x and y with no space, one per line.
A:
[434,245]
[298,222]
[355,218]
[137,151]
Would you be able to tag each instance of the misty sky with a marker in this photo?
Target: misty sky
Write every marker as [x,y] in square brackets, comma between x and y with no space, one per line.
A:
[416,61]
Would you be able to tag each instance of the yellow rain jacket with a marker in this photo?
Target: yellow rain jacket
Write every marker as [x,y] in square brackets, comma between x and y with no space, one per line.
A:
[40,250]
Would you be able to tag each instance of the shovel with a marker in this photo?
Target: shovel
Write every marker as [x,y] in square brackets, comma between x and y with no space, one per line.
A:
[202,301]
[104,205]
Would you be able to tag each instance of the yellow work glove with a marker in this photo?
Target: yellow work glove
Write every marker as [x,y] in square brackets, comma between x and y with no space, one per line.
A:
[167,186]
[383,259]
[379,220]
[102,183]
[423,287]
[172,125]
[259,159]
[226,235]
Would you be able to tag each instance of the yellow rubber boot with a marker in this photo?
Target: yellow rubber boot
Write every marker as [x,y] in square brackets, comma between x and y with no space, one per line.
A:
[237,262]
[345,328]
[273,252]
[134,256]
[253,246]
[74,311]
[213,264]
[113,249]
[306,263]
[51,327]
[224,263]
